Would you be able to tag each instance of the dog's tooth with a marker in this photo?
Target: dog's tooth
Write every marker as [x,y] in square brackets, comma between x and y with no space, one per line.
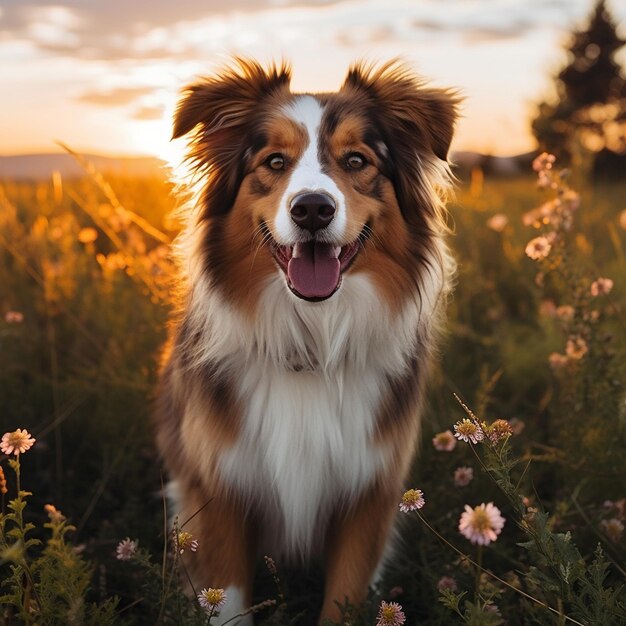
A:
[337,251]
[297,251]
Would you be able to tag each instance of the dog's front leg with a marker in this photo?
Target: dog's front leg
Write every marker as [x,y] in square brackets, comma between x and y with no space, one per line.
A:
[355,543]
[226,549]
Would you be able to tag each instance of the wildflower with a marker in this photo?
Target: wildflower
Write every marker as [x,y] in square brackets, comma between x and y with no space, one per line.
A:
[447,582]
[87,235]
[570,201]
[185,540]
[576,348]
[543,162]
[617,506]
[212,599]
[390,614]
[513,579]
[126,549]
[481,524]
[16,442]
[498,222]
[494,611]
[467,430]
[13,317]
[613,528]
[557,361]
[601,287]
[565,312]
[538,248]
[56,517]
[412,500]
[3,482]
[445,441]
[463,476]
[499,430]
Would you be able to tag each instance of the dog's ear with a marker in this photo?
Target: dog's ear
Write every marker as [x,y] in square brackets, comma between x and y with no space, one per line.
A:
[411,112]
[220,110]
[225,101]
[416,123]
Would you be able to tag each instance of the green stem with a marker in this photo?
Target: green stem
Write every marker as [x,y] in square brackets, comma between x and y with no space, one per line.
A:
[500,580]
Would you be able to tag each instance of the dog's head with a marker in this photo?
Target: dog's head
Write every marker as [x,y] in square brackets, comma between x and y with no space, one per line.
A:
[317,187]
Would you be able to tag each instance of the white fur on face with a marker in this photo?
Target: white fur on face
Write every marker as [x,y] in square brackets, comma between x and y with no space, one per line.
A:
[308,176]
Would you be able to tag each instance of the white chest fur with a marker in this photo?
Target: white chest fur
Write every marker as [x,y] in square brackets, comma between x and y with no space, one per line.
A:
[309,378]
[306,444]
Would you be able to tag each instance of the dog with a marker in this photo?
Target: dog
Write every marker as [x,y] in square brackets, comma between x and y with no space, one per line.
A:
[315,278]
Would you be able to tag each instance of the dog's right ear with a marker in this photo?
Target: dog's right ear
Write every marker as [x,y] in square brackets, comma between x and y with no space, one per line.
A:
[225,101]
[221,112]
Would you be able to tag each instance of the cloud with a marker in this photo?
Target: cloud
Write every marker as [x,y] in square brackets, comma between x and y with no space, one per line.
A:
[149,113]
[119,96]
[119,30]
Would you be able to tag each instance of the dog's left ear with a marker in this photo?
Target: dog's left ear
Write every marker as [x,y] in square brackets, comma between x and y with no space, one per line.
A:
[410,111]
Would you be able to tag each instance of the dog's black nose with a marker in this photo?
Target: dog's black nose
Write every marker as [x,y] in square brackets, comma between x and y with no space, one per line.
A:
[313,211]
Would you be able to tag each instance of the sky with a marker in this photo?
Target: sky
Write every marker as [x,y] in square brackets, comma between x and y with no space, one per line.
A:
[103,76]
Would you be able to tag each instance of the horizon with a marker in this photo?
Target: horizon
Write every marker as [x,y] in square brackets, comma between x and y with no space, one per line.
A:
[109,77]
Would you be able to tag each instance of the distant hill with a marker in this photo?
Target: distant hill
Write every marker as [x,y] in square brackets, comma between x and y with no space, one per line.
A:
[465,162]
[41,166]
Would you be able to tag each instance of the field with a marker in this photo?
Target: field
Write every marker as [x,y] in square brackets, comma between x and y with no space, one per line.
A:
[85,291]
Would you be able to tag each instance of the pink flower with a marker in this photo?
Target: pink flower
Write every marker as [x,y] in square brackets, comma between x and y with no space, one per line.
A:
[618,507]
[481,524]
[601,287]
[56,517]
[497,431]
[544,161]
[447,582]
[613,528]
[390,614]
[565,312]
[16,442]
[184,541]
[538,248]
[498,222]
[13,317]
[412,500]
[126,549]
[576,348]
[557,361]
[212,599]
[467,430]
[463,476]
[445,441]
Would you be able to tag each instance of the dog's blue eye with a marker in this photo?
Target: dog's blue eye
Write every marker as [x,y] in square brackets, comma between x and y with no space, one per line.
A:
[355,161]
[276,162]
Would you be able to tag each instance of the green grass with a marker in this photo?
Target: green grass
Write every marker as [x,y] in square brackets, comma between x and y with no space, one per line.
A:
[80,370]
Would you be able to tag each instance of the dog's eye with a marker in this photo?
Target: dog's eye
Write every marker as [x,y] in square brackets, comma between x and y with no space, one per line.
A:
[355,161]
[276,162]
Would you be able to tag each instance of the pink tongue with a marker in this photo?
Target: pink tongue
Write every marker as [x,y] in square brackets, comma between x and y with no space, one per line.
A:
[314,269]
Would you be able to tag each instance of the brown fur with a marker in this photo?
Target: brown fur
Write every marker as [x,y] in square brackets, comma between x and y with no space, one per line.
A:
[238,120]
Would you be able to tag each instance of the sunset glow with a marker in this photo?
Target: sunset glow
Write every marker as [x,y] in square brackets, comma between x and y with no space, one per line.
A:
[104,77]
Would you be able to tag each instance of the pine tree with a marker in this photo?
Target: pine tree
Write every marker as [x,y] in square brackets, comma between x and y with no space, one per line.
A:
[589,112]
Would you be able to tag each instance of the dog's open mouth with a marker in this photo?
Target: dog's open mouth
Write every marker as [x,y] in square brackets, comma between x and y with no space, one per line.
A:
[314,268]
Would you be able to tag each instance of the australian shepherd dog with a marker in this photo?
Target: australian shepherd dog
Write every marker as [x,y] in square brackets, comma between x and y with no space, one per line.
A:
[315,276]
